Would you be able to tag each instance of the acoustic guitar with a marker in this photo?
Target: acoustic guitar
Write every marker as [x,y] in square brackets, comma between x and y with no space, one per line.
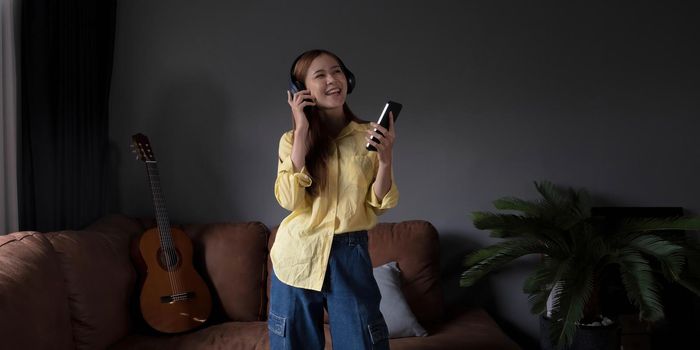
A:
[174,297]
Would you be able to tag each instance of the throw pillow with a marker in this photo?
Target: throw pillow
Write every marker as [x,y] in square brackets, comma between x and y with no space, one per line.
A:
[397,314]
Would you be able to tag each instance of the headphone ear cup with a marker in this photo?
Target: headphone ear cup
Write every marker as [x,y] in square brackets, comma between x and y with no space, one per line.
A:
[351,80]
[295,86]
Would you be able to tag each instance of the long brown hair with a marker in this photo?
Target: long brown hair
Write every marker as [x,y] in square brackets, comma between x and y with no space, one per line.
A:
[319,137]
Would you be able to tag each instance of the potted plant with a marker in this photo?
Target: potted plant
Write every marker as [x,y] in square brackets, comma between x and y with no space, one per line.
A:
[576,248]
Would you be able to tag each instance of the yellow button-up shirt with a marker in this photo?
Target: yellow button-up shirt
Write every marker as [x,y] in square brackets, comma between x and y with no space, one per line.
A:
[348,203]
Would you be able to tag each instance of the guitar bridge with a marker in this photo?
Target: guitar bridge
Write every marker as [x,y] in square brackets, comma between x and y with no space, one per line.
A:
[169,299]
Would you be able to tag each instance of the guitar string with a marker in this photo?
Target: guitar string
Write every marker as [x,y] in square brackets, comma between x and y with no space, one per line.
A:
[165,249]
[152,176]
[172,253]
[167,238]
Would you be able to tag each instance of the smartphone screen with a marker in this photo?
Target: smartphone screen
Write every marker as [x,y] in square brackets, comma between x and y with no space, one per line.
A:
[384,121]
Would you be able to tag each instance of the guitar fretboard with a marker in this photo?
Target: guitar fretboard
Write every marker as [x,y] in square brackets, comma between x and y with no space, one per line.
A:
[166,240]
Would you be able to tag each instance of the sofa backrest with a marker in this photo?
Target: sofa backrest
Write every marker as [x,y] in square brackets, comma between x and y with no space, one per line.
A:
[415,246]
[99,278]
[232,258]
[78,289]
[33,302]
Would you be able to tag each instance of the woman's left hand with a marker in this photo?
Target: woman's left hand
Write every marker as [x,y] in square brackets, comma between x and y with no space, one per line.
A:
[386,141]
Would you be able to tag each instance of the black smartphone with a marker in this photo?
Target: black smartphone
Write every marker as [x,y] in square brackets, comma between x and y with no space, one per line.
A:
[384,121]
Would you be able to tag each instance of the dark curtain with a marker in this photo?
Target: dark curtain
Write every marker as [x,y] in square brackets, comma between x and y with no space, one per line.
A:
[66,66]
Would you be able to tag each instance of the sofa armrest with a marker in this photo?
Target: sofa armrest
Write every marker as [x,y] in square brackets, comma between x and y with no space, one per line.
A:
[33,300]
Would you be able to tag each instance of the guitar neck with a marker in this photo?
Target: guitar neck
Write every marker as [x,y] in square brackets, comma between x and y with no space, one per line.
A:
[159,204]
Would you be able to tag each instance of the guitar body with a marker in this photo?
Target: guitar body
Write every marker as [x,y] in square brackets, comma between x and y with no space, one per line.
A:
[174,297]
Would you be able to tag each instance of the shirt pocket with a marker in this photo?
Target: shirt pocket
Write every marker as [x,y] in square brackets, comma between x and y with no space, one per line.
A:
[363,169]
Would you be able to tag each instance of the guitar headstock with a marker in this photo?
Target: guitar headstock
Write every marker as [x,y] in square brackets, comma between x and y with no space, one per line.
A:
[142,147]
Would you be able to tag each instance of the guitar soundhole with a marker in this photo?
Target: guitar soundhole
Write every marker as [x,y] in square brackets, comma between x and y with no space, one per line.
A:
[169,259]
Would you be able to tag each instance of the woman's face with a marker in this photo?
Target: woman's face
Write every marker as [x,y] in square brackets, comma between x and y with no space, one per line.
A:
[327,83]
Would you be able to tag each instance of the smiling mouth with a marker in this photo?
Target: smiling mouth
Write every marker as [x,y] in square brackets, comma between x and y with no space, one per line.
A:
[332,92]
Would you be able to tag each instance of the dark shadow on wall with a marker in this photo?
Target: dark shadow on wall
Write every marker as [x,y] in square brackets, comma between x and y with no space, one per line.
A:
[454,247]
[525,340]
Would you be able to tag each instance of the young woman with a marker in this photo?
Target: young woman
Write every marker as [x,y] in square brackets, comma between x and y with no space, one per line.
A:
[335,189]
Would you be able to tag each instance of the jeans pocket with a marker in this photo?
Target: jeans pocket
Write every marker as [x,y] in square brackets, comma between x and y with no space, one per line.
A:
[378,331]
[276,324]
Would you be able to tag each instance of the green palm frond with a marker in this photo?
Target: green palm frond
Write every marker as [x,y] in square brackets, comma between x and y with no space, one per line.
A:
[545,275]
[538,280]
[659,224]
[581,204]
[539,284]
[500,225]
[517,204]
[586,240]
[641,285]
[506,225]
[489,259]
[511,225]
[538,301]
[565,207]
[568,303]
[668,254]
[484,253]
[554,196]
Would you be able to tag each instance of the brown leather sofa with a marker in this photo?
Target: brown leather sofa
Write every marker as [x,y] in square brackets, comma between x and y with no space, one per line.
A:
[77,289]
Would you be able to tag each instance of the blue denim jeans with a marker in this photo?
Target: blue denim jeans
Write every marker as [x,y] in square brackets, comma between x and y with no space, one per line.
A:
[349,293]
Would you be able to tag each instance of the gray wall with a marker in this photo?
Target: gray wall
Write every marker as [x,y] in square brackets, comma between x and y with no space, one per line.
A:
[496,94]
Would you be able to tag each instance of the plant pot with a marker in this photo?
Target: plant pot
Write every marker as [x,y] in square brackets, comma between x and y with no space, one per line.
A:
[586,337]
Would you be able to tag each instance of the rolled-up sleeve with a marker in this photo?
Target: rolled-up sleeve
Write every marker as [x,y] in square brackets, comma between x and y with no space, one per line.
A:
[290,186]
[389,201]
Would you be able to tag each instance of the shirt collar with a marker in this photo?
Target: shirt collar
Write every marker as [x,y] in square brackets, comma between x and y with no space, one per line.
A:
[348,129]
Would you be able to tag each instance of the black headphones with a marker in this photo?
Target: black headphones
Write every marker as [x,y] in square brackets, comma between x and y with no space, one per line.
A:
[296,86]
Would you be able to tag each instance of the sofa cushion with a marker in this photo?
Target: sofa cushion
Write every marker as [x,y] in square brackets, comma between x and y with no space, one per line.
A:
[33,309]
[100,280]
[473,329]
[468,329]
[415,246]
[399,318]
[225,336]
[235,258]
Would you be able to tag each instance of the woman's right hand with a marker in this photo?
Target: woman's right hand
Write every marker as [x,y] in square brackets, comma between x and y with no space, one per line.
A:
[297,102]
